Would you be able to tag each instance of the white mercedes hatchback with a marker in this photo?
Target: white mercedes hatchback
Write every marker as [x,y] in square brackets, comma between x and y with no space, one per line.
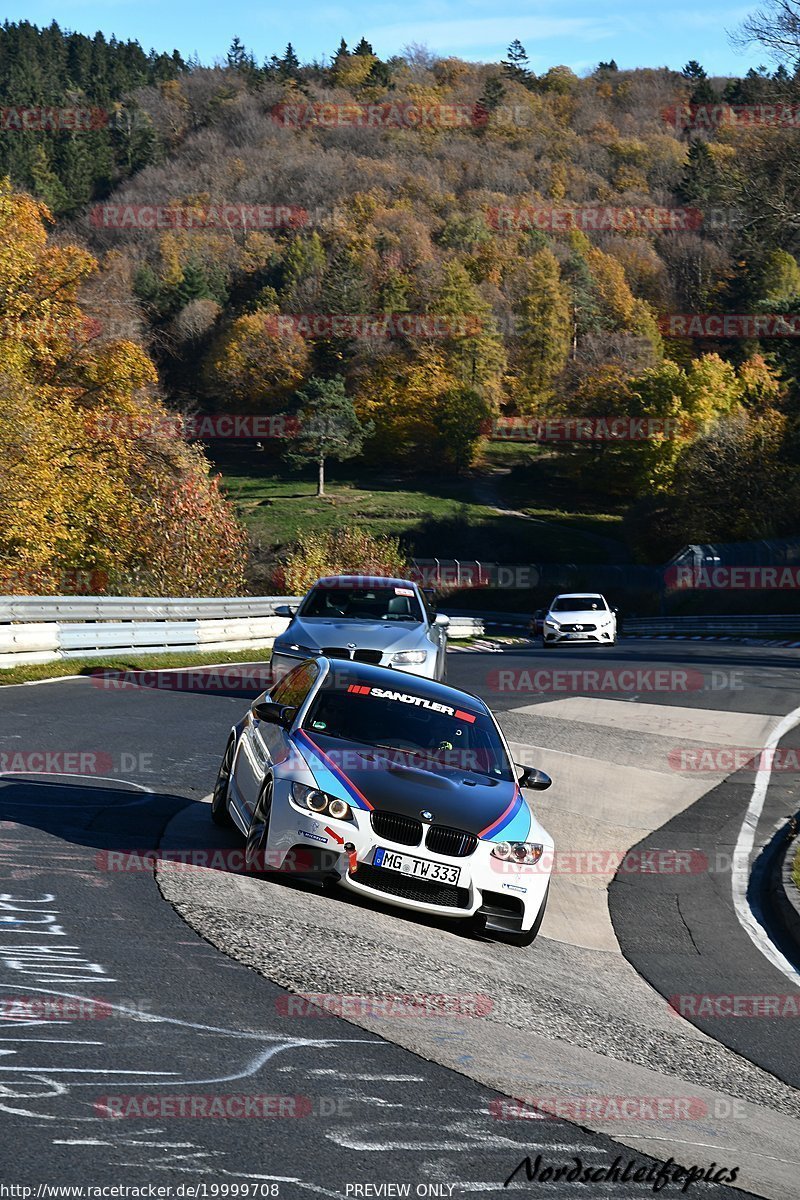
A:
[579,617]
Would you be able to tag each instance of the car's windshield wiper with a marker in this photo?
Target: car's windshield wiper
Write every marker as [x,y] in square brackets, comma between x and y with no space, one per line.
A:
[397,749]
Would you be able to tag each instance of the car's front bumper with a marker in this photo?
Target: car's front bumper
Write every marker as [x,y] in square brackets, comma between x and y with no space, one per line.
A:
[281,663]
[603,636]
[505,894]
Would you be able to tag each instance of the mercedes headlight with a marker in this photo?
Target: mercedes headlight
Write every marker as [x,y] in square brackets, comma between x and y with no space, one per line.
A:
[552,623]
[320,803]
[524,853]
[410,656]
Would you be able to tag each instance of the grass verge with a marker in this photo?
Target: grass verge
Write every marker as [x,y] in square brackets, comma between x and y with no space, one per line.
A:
[31,672]
[433,515]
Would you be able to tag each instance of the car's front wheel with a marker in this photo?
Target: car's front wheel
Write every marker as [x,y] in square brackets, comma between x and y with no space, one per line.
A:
[259,827]
[527,936]
[219,800]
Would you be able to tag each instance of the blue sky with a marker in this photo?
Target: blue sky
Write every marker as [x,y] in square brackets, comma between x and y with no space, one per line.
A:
[579,34]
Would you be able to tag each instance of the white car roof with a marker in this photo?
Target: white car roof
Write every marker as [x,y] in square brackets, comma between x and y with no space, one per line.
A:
[574,595]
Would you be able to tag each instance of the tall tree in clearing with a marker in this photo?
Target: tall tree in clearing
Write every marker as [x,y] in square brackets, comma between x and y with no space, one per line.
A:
[327,426]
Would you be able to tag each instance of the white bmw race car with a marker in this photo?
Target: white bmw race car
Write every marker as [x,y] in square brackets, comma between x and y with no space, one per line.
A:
[395,787]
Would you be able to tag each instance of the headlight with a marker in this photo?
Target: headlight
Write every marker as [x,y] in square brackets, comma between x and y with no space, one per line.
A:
[524,853]
[320,802]
[553,624]
[410,656]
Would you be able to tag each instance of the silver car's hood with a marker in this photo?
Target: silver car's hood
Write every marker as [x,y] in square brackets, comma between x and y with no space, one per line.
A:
[317,632]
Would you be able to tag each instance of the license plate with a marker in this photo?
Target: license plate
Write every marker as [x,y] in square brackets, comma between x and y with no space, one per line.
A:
[419,868]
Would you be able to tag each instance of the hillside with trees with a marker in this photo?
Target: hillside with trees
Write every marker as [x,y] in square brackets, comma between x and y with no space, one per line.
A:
[411,234]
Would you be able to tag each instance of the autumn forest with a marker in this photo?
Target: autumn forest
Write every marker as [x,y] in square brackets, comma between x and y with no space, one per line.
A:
[405,259]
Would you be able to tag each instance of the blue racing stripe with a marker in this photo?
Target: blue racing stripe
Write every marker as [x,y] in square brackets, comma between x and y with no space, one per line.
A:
[513,825]
[328,775]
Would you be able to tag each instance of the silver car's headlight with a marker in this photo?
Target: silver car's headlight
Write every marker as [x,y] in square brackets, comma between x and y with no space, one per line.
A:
[321,803]
[553,624]
[410,656]
[524,853]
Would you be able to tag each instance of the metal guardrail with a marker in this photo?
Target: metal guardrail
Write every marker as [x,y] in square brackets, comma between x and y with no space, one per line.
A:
[136,608]
[734,625]
[38,629]
[45,628]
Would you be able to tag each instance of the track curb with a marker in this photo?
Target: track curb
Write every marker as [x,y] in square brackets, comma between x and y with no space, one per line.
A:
[783,895]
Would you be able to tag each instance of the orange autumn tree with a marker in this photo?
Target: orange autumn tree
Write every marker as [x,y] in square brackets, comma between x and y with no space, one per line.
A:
[93,478]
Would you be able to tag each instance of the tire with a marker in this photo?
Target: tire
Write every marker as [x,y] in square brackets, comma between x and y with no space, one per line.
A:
[529,935]
[219,801]
[259,828]
[547,645]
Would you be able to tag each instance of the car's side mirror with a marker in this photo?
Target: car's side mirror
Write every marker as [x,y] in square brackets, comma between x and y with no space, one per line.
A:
[532,777]
[615,611]
[441,619]
[274,714]
[285,610]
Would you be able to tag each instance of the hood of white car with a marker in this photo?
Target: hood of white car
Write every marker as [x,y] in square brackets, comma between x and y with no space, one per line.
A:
[582,617]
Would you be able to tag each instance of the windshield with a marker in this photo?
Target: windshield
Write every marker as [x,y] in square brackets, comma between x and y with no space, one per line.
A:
[579,604]
[422,732]
[363,604]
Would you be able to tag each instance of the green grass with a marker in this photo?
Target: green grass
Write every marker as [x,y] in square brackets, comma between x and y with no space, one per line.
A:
[435,516]
[796,869]
[277,508]
[135,662]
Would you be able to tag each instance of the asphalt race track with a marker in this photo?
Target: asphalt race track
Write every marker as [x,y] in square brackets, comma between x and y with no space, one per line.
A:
[122,989]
